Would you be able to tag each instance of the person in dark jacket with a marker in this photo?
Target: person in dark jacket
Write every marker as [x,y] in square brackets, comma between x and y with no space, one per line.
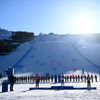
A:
[0,75]
[62,80]
[11,80]
[37,81]
[88,81]
[95,78]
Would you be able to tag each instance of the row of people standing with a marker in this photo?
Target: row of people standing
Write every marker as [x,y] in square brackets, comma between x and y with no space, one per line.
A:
[61,80]
[55,78]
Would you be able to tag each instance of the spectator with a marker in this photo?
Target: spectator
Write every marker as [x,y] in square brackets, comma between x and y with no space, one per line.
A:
[95,78]
[0,75]
[11,80]
[88,82]
[37,81]
[92,78]
[62,80]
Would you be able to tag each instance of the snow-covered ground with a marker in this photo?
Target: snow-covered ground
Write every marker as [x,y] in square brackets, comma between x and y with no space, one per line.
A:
[21,92]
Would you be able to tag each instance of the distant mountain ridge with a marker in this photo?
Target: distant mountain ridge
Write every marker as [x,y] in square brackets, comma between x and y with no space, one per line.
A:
[9,41]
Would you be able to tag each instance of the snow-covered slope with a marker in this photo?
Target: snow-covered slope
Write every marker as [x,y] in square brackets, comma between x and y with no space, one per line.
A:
[54,54]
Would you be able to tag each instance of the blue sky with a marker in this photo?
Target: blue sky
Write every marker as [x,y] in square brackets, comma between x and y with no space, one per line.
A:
[58,16]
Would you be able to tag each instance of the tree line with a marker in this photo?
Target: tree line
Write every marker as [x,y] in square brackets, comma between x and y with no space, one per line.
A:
[9,45]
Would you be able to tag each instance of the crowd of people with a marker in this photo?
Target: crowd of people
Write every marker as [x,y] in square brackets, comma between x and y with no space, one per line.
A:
[55,78]
[51,78]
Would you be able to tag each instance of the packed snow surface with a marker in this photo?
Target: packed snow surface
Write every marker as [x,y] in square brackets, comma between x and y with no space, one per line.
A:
[22,92]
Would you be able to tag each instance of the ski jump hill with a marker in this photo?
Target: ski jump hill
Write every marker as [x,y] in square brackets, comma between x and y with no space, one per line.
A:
[54,54]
